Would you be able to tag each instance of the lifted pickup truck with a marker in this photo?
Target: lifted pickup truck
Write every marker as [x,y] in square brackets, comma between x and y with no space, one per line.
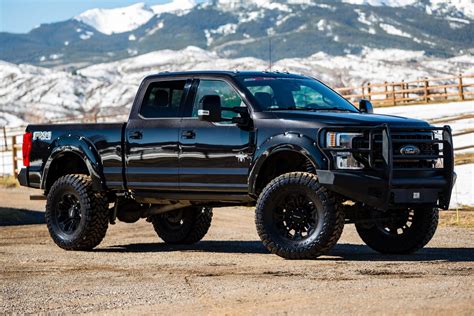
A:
[303,155]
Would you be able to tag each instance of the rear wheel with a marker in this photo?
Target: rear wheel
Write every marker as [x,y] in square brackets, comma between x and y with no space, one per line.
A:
[77,217]
[399,231]
[297,218]
[184,226]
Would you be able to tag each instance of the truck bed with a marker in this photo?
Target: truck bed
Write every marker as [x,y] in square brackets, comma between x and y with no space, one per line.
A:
[102,143]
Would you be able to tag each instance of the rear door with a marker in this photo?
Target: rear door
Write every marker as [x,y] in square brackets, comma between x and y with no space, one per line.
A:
[152,136]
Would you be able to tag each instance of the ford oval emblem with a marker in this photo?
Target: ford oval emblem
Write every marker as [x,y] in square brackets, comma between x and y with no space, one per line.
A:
[410,150]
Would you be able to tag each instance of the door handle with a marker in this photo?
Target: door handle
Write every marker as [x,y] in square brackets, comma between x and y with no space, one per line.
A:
[188,134]
[135,135]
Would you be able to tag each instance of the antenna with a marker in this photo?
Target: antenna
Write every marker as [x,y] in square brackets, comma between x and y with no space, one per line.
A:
[270,52]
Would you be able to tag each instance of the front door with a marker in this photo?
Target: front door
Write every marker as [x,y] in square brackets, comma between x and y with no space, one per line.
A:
[214,157]
[152,137]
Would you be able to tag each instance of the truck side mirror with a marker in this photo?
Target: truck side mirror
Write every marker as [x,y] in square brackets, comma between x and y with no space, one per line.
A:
[365,106]
[210,108]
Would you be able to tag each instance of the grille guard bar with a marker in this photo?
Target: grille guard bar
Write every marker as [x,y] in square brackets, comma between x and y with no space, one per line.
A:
[384,177]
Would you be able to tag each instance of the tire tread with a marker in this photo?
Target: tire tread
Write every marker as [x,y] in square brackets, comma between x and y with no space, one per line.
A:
[333,224]
[96,213]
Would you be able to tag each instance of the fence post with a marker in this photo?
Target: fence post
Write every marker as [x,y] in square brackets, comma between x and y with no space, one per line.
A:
[14,154]
[394,102]
[403,91]
[461,88]
[386,90]
[369,91]
[426,90]
[407,95]
[363,95]
[5,138]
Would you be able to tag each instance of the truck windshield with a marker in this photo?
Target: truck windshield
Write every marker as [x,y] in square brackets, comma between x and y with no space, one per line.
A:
[278,94]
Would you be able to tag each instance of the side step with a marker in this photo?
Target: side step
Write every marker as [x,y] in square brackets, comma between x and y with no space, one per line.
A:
[37,197]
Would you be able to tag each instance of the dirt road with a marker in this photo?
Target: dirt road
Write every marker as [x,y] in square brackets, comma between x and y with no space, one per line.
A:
[229,272]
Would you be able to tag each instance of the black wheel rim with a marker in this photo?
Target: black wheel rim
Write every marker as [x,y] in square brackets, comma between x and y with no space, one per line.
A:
[173,220]
[296,218]
[68,213]
[397,222]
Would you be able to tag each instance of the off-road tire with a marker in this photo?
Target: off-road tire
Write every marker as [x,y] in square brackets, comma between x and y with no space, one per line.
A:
[189,225]
[422,229]
[94,213]
[330,217]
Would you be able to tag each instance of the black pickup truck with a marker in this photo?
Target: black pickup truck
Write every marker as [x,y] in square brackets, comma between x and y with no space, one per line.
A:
[303,155]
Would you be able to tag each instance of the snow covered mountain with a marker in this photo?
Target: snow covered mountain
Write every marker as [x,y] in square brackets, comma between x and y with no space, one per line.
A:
[120,20]
[36,94]
[466,7]
[109,21]
[242,28]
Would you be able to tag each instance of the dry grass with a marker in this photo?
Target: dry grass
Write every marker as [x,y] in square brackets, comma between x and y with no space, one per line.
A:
[463,217]
[463,159]
[9,182]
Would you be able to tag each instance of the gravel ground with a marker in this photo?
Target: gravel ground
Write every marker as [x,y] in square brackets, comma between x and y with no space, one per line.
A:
[229,272]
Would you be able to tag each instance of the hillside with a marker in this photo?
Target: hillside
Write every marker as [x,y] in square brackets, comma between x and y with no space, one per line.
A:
[36,94]
[239,28]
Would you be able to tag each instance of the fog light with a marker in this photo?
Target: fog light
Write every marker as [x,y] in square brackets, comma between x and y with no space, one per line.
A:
[345,160]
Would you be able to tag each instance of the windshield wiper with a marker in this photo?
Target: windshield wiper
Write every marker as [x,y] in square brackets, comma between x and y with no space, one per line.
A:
[311,109]
[287,109]
[333,109]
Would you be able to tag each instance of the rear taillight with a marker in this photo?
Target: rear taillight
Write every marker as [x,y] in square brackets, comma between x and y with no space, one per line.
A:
[26,148]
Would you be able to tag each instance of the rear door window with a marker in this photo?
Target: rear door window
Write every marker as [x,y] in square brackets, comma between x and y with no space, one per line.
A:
[163,99]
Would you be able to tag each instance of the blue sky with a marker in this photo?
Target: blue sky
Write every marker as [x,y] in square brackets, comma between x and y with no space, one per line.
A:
[20,16]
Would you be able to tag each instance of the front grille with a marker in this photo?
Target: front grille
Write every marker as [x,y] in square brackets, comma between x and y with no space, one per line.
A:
[431,148]
[426,158]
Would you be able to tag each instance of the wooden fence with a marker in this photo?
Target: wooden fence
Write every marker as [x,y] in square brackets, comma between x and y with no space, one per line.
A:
[455,88]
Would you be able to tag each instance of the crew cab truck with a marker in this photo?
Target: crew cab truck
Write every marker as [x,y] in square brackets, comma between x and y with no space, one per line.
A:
[302,154]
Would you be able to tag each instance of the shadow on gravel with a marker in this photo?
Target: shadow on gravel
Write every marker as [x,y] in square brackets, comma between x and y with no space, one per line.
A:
[229,246]
[363,253]
[339,252]
[14,217]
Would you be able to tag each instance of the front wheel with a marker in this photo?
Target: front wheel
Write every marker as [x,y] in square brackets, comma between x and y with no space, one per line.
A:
[399,231]
[297,218]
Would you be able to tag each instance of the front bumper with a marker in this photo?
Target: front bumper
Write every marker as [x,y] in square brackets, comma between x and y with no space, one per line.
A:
[376,191]
[387,185]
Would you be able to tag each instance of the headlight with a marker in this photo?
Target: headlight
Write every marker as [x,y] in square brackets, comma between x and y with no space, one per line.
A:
[342,159]
[340,140]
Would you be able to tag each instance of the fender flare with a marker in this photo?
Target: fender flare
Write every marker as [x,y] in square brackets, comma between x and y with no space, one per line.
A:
[84,149]
[289,141]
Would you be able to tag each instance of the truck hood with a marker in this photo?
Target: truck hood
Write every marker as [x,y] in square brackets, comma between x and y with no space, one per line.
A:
[348,119]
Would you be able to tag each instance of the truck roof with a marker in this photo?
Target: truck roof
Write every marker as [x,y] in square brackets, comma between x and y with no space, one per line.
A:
[226,73]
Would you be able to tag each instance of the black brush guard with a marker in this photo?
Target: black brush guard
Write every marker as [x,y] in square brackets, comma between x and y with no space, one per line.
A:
[390,179]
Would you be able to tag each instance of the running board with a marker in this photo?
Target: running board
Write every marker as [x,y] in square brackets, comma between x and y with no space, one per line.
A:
[37,197]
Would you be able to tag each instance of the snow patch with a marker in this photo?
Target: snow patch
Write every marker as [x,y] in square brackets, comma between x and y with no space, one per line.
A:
[390,29]
[178,7]
[378,3]
[119,20]
[463,191]
[448,6]
[86,35]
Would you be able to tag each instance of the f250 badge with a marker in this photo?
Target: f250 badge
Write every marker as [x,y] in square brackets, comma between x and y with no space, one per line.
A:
[42,135]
